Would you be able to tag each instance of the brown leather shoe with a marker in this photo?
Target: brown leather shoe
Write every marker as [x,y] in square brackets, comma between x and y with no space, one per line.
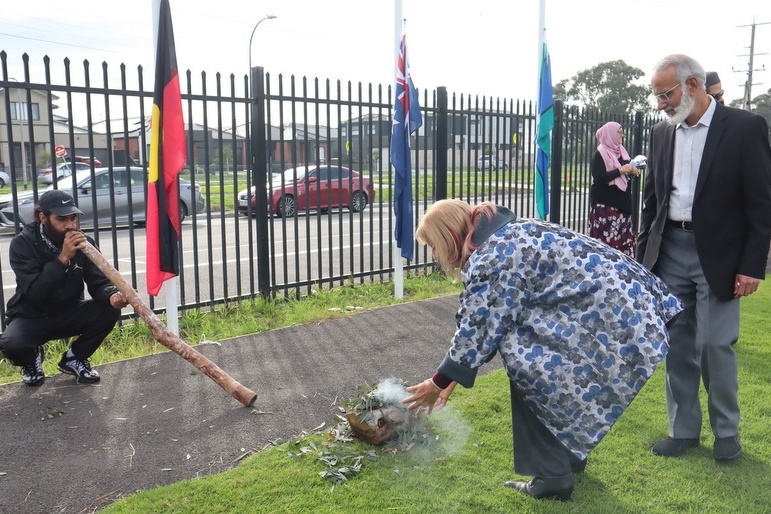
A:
[672,447]
[539,487]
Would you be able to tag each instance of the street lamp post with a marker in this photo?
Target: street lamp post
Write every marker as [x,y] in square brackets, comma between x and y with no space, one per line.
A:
[20,115]
[268,17]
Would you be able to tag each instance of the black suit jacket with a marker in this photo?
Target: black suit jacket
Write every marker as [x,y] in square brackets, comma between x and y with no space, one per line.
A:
[732,203]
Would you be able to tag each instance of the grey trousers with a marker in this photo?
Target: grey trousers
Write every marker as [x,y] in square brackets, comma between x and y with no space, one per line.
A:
[701,344]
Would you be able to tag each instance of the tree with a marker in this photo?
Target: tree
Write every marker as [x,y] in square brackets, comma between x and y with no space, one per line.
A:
[44,159]
[227,157]
[761,105]
[609,87]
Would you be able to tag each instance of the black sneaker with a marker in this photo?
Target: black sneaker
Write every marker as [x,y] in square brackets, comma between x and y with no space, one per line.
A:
[81,369]
[727,448]
[32,374]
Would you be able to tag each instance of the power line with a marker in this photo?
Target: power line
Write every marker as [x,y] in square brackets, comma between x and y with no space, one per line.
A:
[747,100]
[55,42]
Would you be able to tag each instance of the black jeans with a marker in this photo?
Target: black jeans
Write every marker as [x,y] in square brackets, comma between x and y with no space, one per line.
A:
[537,452]
[91,321]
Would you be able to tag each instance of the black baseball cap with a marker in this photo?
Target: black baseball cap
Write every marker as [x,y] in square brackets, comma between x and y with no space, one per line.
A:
[58,202]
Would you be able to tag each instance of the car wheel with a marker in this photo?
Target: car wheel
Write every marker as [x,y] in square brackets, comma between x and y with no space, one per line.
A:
[358,201]
[2,183]
[286,206]
[182,212]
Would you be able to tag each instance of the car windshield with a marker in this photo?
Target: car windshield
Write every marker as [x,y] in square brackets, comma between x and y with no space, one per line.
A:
[288,176]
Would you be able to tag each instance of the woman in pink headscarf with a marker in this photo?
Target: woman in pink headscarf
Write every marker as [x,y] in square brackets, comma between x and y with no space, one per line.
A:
[610,217]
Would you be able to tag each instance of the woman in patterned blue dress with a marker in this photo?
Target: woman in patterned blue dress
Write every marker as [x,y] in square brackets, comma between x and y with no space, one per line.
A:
[580,327]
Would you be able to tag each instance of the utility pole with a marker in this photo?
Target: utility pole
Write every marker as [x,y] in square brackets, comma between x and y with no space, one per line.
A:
[747,100]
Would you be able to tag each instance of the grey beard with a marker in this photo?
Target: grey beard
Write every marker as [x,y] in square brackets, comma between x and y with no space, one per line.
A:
[682,111]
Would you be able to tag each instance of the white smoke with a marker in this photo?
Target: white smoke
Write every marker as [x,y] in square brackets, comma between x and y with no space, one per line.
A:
[452,432]
[391,391]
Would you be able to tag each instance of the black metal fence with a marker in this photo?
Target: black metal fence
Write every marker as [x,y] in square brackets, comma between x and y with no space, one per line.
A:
[470,147]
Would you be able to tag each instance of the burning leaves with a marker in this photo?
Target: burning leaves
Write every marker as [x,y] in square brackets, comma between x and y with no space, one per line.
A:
[376,416]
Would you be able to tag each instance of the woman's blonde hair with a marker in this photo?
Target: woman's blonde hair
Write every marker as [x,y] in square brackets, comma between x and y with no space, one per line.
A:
[447,227]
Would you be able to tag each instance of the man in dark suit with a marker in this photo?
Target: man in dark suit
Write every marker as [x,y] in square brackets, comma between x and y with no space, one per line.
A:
[705,229]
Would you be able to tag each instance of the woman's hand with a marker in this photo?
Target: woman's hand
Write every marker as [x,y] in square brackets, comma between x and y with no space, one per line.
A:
[628,169]
[424,395]
[444,396]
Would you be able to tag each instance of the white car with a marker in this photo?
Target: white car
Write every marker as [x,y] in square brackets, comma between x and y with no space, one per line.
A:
[63,170]
[490,162]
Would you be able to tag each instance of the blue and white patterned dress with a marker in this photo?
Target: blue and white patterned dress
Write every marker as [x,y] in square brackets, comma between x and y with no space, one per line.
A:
[580,326]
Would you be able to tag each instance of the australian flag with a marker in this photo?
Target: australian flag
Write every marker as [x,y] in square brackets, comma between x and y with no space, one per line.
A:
[406,120]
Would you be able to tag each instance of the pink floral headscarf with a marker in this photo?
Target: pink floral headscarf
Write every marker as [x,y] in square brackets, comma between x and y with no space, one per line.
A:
[611,150]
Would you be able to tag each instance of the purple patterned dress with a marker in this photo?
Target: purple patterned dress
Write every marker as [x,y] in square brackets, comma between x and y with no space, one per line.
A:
[612,227]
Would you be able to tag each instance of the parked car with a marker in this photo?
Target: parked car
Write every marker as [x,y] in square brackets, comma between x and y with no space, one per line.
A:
[491,162]
[87,160]
[4,179]
[63,170]
[124,181]
[312,187]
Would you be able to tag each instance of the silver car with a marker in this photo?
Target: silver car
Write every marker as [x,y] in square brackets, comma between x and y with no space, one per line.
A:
[119,192]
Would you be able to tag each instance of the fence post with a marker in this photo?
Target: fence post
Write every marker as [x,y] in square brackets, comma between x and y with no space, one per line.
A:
[441,145]
[637,184]
[555,189]
[258,167]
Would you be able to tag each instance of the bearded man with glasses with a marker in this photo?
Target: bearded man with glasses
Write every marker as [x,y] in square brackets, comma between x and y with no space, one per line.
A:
[705,229]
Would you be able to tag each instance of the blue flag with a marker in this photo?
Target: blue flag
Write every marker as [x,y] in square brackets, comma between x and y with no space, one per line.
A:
[406,120]
[545,126]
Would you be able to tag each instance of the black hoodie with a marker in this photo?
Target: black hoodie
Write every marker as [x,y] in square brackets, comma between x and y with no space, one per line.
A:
[45,286]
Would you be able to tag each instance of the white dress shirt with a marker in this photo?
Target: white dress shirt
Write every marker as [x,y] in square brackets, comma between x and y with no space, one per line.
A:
[689,147]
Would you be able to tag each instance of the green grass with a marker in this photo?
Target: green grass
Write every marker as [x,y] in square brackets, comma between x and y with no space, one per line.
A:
[465,470]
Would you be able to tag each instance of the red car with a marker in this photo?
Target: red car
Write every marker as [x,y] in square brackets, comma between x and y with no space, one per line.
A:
[87,160]
[312,187]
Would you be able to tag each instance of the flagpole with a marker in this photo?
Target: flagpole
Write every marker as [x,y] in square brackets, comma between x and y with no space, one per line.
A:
[169,286]
[544,120]
[398,261]
[541,39]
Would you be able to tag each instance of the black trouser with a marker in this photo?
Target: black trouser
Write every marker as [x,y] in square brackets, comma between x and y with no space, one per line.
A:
[90,320]
[537,452]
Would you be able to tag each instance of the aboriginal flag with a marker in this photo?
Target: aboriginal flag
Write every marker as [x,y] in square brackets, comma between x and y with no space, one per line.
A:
[167,156]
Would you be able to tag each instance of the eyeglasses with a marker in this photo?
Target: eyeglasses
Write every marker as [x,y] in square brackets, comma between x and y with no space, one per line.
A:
[664,97]
[718,95]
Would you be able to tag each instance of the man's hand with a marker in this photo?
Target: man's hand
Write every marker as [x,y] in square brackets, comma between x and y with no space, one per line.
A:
[118,301]
[73,241]
[745,285]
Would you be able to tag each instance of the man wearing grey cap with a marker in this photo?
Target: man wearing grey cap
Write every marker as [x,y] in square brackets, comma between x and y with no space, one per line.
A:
[714,87]
[49,300]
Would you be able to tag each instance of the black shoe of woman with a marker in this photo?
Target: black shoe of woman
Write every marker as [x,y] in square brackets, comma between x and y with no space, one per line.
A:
[540,487]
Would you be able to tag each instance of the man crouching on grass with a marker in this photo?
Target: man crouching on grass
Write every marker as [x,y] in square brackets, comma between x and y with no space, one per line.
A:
[49,301]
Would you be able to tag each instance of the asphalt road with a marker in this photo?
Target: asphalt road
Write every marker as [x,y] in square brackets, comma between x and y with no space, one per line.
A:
[157,420]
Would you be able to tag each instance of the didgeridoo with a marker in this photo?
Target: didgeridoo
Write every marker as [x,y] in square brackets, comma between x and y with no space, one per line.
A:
[166,337]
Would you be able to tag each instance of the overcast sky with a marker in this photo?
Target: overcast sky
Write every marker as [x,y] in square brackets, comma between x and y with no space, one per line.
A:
[480,47]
